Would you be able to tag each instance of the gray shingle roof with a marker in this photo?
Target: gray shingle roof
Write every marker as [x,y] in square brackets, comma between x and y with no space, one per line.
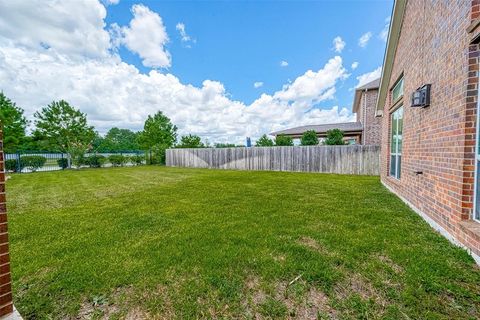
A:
[321,128]
[372,85]
[375,84]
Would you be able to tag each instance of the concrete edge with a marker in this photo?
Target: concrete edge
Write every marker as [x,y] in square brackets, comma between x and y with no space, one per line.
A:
[12,316]
[435,225]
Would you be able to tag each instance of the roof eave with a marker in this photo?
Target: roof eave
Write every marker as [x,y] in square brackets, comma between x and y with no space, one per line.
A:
[356,100]
[392,42]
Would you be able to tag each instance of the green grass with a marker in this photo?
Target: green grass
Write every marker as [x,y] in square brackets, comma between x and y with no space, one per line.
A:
[157,242]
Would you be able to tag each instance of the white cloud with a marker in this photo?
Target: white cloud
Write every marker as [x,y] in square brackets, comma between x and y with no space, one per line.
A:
[110,2]
[283,63]
[258,84]
[363,41]
[115,93]
[338,44]
[74,28]
[355,65]
[186,39]
[384,33]
[146,35]
[314,86]
[369,76]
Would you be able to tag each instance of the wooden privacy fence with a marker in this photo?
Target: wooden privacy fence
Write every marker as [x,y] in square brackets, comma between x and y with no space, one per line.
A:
[353,159]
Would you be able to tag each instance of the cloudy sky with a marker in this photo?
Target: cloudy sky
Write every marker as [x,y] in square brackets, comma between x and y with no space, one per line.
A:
[221,70]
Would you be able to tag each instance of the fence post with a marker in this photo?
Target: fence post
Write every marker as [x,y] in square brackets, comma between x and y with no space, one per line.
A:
[69,161]
[19,164]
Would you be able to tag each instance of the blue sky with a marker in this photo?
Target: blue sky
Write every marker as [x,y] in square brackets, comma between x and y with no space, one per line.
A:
[223,70]
[240,43]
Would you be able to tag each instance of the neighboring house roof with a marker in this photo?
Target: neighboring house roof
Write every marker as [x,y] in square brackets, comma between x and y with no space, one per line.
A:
[322,128]
[392,42]
[372,85]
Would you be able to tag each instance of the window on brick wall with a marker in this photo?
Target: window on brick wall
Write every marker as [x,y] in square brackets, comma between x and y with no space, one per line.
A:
[397,91]
[396,122]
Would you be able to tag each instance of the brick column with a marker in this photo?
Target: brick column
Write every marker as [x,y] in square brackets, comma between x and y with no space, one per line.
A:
[6,304]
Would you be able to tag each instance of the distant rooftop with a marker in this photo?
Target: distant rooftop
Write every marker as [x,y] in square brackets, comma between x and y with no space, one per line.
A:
[375,84]
[321,128]
[372,85]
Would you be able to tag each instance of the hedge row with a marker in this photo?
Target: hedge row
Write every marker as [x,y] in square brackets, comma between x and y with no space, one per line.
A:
[33,163]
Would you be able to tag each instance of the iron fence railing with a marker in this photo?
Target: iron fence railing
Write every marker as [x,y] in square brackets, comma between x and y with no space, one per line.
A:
[25,162]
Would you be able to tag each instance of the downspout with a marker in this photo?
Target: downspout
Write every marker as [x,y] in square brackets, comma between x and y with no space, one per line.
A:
[364,115]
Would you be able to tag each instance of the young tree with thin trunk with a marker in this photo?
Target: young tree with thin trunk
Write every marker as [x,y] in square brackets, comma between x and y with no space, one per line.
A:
[64,128]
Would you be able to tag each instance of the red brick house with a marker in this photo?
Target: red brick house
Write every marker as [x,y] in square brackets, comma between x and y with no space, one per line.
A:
[365,130]
[430,155]
[6,306]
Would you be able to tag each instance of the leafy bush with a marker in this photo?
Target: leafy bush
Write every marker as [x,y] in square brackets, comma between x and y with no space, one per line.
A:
[95,161]
[137,159]
[11,165]
[156,155]
[264,141]
[33,163]
[63,163]
[190,141]
[282,140]
[78,159]
[117,160]
[309,138]
[334,138]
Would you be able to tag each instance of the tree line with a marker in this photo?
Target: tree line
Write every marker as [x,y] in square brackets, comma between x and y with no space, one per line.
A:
[309,138]
[60,127]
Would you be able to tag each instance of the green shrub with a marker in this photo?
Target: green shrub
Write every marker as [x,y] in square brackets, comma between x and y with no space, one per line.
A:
[334,138]
[117,160]
[156,157]
[137,159]
[309,138]
[63,163]
[264,141]
[95,161]
[78,159]
[282,140]
[32,163]
[11,165]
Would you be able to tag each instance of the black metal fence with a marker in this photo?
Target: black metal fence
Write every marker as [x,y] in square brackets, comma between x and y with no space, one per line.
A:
[25,162]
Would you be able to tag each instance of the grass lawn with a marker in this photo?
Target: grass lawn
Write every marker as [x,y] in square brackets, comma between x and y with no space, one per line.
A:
[156,242]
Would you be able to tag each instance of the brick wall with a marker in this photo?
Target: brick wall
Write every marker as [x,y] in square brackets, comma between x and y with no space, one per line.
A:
[434,47]
[6,305]
[372,126]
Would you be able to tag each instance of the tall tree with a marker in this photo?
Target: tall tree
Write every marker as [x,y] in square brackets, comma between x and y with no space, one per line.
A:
[190,141]
[119,140]
[158,134]
[309,138]
[334,137]
[264,141]
[64,128]
[282,140]
[14,124]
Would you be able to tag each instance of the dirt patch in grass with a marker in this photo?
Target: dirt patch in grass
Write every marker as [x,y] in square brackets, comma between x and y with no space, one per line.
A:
[118,304]
[297,300]
[357,284]
[391,264]
[304,301]
[314,245]
[138,314]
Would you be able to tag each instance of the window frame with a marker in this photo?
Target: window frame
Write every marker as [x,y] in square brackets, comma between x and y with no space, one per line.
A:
[397,83]
[396,105]
[397,154]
